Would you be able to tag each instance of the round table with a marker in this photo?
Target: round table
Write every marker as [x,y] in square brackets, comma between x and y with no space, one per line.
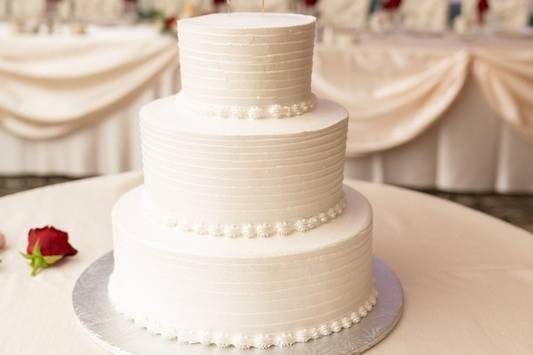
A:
[467,277]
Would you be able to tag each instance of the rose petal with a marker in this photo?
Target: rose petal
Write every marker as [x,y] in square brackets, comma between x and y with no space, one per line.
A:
[52,241]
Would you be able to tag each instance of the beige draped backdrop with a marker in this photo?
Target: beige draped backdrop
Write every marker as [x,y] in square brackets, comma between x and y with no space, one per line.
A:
[506,77]
[395,91]
[54,86]
[392,95]
[450,112]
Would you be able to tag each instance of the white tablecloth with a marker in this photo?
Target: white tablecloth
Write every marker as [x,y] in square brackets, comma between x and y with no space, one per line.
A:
[427,111]
[467,277]
[69,104]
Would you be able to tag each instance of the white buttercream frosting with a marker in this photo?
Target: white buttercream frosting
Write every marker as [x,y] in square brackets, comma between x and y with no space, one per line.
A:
[243,178]
[247,65]
[216,164]
[249,230]
[254,112]
[241,292]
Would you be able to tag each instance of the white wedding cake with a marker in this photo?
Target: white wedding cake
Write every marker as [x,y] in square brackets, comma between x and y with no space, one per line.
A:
[243,233]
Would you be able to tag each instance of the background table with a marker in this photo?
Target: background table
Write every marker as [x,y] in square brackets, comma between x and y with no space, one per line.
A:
[434,110]
[427,111]
[69,103]
[468,278]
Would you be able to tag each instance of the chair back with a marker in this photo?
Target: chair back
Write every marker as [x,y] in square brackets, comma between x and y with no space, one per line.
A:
[344,13]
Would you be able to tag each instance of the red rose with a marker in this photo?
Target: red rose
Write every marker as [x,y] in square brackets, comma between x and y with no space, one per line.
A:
[391,5]
[46,246]
[52,242]
[482,7]
[170,22]
[2,242]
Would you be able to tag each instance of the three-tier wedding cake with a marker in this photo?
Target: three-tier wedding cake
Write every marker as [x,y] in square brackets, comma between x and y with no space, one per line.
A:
[243,233]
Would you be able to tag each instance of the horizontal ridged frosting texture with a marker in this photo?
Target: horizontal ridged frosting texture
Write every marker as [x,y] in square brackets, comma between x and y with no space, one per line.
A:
[243,292]
[247,65]
[248,172]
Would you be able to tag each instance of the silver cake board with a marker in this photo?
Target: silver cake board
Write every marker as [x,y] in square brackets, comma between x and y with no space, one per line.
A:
[118,335]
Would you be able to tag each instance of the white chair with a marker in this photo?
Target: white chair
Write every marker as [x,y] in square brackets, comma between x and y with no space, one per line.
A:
[3,8]
[192,8]
[469,17]
[98,9]
[508,14]
[344,13]
[203,6]
[28,8]
[428,15]
[256,5]
[167,7]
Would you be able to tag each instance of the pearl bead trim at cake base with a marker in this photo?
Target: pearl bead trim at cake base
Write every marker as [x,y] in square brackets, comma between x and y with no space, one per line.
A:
[261,230]
[260,341]
[254,112]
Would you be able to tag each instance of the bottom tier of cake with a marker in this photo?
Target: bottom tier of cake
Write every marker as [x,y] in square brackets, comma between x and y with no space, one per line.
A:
[242,292]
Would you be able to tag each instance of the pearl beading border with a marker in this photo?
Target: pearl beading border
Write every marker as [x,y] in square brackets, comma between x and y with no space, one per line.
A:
[261,230]
[260,341]
[255,112]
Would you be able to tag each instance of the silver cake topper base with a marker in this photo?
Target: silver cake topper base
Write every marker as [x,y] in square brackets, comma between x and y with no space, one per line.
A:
[118,335]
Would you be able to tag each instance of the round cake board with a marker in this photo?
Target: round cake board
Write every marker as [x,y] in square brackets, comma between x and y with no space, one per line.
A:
[118,335]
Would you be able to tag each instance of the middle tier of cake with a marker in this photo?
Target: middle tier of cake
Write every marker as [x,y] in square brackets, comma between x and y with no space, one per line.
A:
[243,178]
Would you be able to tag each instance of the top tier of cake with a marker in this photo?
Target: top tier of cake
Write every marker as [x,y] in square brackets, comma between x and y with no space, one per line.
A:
[247,65]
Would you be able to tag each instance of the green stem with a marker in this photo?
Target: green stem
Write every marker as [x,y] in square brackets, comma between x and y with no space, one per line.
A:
[38,263]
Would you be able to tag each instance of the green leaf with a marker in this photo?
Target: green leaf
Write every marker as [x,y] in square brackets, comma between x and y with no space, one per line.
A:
[27,256]
[38,263]
[37,249]
[52,259]
[37,260]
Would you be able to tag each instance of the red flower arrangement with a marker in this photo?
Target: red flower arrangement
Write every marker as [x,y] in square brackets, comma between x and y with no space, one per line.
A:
[46,246]
[170,23]
[482,7]
[391,5]
[2,242]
